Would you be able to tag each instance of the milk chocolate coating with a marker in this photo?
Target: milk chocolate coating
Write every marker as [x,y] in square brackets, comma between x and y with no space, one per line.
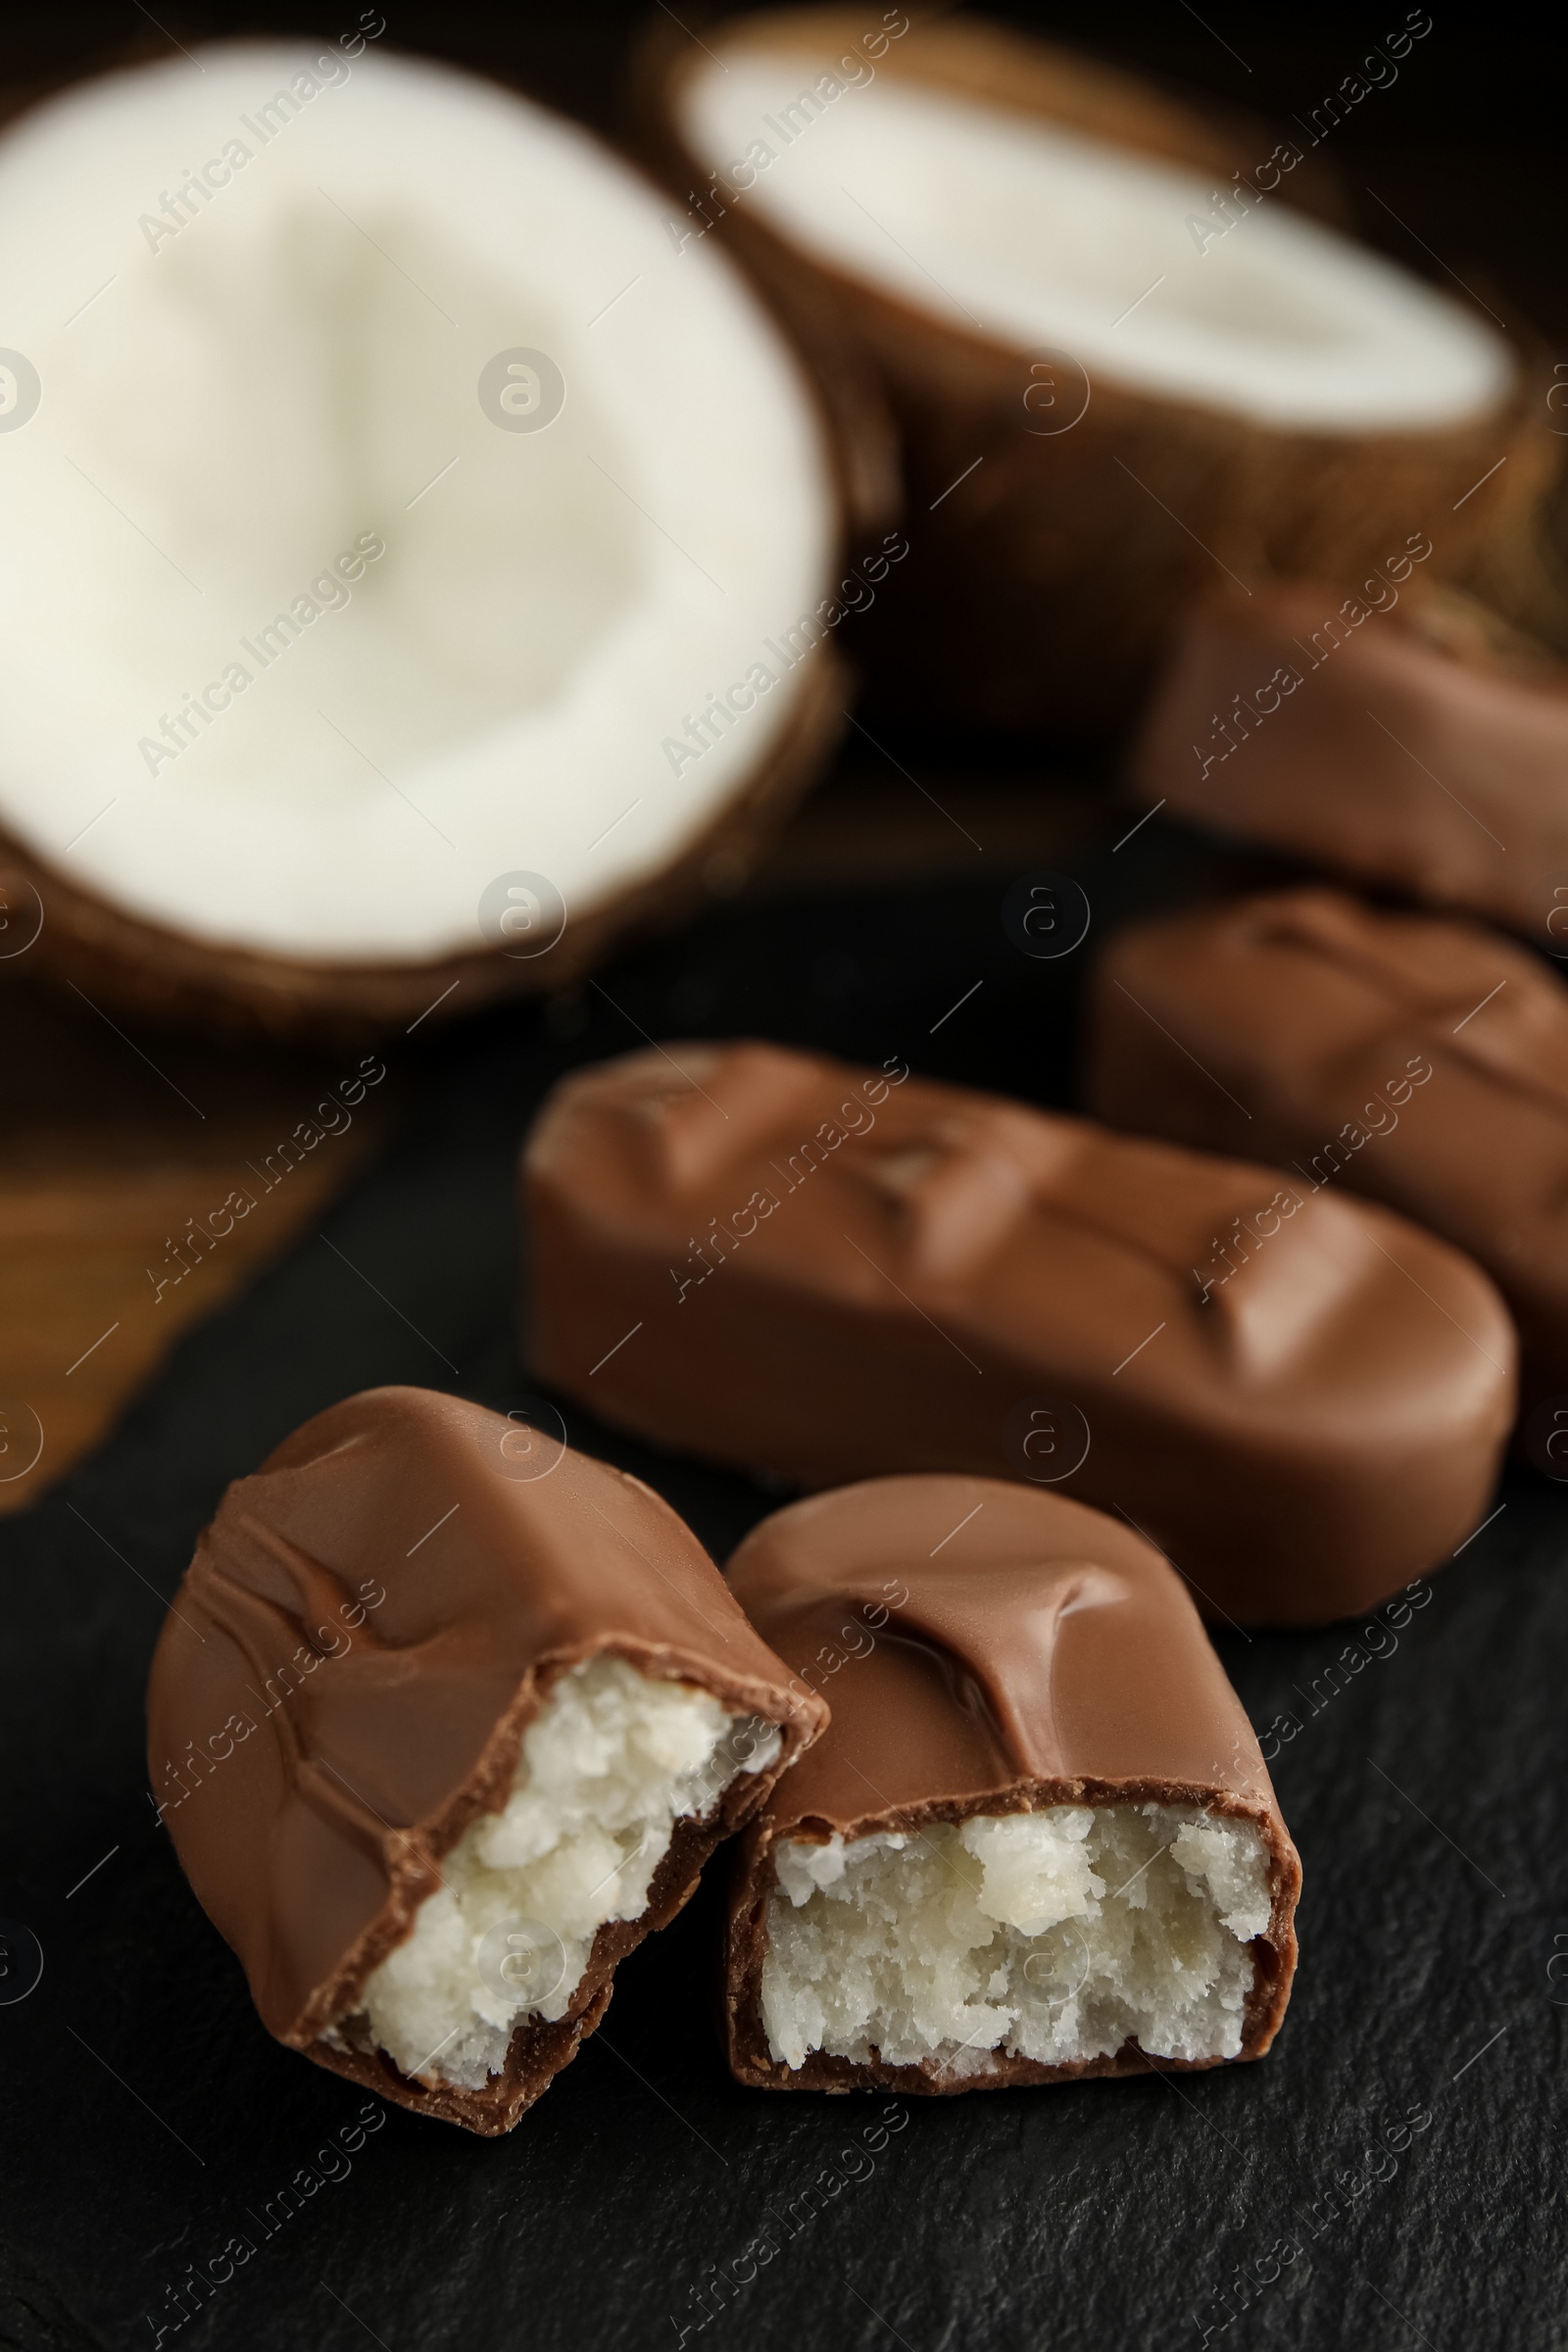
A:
[1312,1017]
[806,1270]
[1398,749]
[1045,1657]
[312,1836]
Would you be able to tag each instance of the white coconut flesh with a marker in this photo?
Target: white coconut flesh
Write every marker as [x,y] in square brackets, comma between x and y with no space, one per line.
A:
[614,1761]
[1034,235]
[249,383]
[1057,1935]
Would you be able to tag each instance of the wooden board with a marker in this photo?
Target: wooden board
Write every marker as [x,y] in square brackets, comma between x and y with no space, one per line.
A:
[122,1150]
[142,1179]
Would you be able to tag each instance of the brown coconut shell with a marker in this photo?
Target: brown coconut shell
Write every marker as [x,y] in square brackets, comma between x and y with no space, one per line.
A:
[1521,570]
[1041,585]
[150,973]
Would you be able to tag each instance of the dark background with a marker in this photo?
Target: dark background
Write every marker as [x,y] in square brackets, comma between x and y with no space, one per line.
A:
[1467,145]
[146,2112]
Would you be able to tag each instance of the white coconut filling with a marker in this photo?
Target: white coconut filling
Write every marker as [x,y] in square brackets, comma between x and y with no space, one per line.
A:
[302,644]
[610,1765]
[1043,237]
[1056,1935]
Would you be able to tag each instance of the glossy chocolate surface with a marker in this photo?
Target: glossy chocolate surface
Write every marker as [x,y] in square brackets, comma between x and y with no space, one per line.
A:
[1420,1061]
[342,1685]
[828,1273]
[1396,747]
[1023,1651]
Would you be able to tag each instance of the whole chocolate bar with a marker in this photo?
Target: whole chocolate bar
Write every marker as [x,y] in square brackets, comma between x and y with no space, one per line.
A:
[1397,746]
[1038,1839]
[1421,1061]
[826,1273]
[443,1720]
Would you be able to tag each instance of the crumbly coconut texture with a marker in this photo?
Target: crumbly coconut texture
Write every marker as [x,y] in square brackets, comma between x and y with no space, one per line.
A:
[610,1764]
[301,646]
[1058,1936]
[1103,410]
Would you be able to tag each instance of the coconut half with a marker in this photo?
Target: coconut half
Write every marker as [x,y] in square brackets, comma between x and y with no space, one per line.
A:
[412,559]
[1124,363]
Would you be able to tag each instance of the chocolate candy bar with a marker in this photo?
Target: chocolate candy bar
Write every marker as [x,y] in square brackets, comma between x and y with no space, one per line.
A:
[1400,747]
[443,1721]
[1420,1061]
[825,1273]
[1038,1839]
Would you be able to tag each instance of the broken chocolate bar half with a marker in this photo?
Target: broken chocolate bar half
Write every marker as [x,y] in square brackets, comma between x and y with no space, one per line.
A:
[1038,1839]
[445,1717]
[827,1273]
[1409,742]
[1420,1060]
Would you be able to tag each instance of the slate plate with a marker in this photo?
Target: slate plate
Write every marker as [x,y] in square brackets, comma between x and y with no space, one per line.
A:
[1387,2178]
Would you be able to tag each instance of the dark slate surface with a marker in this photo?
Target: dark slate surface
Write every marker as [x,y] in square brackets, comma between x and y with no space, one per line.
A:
[1390,2177]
